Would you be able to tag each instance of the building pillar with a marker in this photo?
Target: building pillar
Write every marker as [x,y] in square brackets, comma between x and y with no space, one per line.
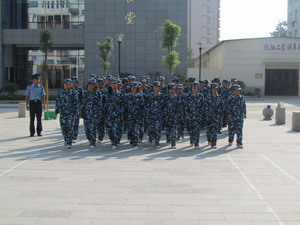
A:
[2,76]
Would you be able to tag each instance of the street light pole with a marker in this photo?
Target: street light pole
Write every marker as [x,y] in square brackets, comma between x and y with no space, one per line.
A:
[120,39]
[200,54]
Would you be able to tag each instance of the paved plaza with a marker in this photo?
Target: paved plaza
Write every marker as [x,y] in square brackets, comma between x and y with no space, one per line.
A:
[42,183]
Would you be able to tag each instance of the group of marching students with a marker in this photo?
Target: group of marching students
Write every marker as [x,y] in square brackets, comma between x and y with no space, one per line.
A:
[117,106]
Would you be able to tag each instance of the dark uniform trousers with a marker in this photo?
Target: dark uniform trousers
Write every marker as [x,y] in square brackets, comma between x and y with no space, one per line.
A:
[35,110]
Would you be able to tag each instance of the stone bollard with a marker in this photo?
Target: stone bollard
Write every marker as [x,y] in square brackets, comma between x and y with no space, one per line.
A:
[268,113]
[22,109]
[296,121]
[280,116]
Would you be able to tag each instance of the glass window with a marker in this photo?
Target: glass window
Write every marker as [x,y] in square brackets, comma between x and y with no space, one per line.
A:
[62,63]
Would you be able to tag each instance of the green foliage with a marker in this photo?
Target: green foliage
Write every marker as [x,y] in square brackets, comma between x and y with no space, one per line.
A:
[190,53]
[10,88]
[20,97]
[182,77]
[170,33]
[242,84]
[124,74]
[171,60]
[247,93]
[280,30]
[45,41]
[105,52]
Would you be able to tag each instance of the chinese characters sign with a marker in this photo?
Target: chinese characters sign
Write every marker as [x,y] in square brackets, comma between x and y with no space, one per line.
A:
[282,47]
[130,15]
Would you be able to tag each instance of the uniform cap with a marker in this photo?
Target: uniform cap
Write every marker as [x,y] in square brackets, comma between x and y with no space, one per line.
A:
[91,81]
[74,79]
[179,86]
[234,79]
[100,81]
[214,86]
[67,81]
[124,80]
[216,80]
[191,79]
[195,85]
[92,76]
[109,77]
[160,78]
[171,86]
[139,84]
[156,83]
[175,79]
[113,81]
[35,76]
[143,80]
[236,87]
[201,81]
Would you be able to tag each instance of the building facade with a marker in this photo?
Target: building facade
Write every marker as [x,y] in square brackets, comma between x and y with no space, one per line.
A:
[76,26]
[268,64]
[204,24]
[293,18]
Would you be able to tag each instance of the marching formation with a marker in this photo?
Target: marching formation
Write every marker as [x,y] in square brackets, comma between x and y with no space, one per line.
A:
[126,106]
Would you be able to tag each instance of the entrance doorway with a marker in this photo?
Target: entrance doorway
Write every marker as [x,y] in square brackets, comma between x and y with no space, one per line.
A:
[282,82]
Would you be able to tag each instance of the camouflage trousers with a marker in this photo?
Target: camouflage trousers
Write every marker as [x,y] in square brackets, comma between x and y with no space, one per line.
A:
[171,132]
[134,131]
[90,127]
[76,128]
[154,130]
[180,127]
[114,130]
[213,127]
[236,127]
[67,123]
[101,130]
[195,128]
[142,128]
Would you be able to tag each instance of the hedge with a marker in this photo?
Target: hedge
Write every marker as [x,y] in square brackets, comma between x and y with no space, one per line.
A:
[20,97]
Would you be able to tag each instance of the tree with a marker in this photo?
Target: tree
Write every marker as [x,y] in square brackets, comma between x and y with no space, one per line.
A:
[46,44]
[105,52]
[280,30]
[170,34]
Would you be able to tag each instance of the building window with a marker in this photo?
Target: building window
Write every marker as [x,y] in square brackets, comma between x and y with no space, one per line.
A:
[208,9]
[208,20]
[208,31]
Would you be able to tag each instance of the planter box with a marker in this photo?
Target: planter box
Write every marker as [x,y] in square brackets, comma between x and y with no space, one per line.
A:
[49,115]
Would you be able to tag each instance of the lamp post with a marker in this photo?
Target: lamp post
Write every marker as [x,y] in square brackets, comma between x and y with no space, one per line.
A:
[120,39]
[200,50]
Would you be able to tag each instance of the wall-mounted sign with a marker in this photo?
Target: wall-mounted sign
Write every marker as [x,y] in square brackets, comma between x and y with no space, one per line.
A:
[281,47]
[258,76]
[130,15]
[129,18]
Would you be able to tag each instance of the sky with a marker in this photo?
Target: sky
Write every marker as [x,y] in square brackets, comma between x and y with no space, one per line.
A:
[251,18]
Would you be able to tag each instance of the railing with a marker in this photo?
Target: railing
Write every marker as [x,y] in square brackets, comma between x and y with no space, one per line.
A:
[44,25]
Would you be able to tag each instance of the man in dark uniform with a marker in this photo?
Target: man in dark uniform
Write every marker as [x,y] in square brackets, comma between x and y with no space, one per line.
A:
[35,103]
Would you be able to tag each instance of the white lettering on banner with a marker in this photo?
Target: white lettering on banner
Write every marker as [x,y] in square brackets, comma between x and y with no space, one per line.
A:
[281,47]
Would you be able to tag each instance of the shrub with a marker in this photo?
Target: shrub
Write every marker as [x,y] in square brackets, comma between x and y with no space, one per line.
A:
[182,77]
[11,88]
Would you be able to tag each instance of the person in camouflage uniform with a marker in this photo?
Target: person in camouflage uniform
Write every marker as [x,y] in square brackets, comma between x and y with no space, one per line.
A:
[225,94]
[214,112]
[134,111]
[188,87]
[67,106]
[92,111]
[154,112]
[171,115]
[101,125]
[195,112]
[74,85]
[236,115]
[114,113]
[182,118]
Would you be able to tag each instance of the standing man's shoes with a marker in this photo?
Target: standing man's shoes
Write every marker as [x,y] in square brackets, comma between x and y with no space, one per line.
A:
[40,135]
[31,135]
